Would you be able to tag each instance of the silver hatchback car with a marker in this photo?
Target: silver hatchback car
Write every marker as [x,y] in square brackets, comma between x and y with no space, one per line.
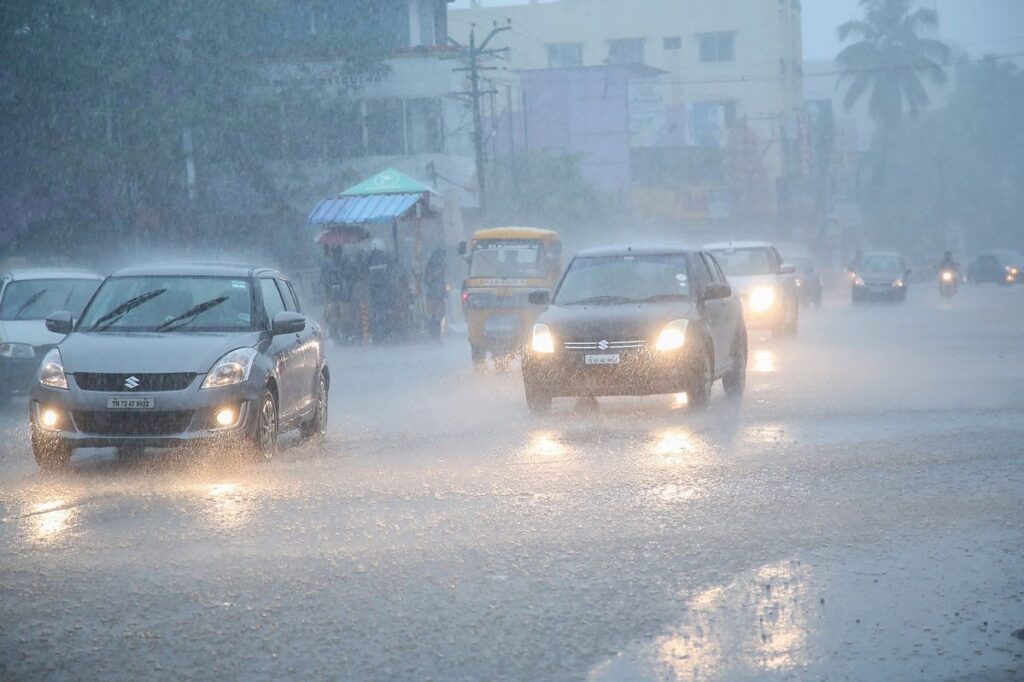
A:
[181,354]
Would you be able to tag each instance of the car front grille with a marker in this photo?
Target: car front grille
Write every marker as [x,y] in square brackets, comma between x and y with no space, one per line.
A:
[142,382]
[113,423]
[611,345]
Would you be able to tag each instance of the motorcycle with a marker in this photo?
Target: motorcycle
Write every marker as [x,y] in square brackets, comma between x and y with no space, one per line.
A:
[948,282]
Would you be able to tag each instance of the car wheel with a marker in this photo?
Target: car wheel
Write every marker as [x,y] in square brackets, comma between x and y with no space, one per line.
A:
[264,437]
[51,453]
[698,395]
[735,381]
[794,324]
[537,399]
[317,424]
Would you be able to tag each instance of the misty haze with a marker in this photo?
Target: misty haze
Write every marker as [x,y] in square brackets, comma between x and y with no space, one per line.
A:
[592,340]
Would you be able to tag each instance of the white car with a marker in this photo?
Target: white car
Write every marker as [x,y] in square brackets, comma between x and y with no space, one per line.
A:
[765,283]
[27,297]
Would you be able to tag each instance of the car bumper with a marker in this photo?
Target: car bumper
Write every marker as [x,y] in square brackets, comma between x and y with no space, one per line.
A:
[186,417]
[638,372]
[878,291]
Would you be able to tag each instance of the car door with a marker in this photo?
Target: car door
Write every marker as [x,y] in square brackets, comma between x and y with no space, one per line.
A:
[713,310]
[284,349]
[308,352]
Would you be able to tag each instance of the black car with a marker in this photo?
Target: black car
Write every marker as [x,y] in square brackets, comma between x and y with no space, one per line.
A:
[879,276]
[637,321]
[1000,267]
[181,354]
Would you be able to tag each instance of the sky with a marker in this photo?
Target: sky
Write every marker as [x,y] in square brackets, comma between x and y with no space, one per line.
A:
[976,26]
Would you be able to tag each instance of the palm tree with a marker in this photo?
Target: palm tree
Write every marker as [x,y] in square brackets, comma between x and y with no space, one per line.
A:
[889,65]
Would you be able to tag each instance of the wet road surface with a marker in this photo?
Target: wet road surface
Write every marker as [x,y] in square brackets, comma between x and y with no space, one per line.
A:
[860,515]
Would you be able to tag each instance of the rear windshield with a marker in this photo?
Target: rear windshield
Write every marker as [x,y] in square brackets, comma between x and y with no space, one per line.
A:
[170,304]
[607,280]
[36,299]
[507,258]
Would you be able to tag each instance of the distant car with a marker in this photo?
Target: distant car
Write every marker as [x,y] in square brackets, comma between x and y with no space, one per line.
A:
[808,281]
[764,282]
[181,354]
[27,297]
[1000,267]
[637,321]
[879,276]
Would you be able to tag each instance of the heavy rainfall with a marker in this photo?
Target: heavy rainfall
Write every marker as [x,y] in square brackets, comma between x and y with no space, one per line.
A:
[512,339]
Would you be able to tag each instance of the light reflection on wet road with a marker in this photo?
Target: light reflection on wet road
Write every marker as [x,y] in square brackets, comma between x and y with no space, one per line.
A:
[442,532]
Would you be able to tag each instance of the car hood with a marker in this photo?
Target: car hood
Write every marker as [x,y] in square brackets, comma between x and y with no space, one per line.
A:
[33,332]
[114,353]
[613,322]
[744,284]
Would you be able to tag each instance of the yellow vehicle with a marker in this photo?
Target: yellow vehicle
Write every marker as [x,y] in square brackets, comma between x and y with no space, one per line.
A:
[506,264]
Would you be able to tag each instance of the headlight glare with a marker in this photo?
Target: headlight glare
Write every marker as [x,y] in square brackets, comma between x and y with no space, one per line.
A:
[858,281]
[673,336]
[899,282]
[541,340]
[51,371]
[231,369]
[761,299]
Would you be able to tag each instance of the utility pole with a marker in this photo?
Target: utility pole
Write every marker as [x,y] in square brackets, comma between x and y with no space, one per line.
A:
[471,56]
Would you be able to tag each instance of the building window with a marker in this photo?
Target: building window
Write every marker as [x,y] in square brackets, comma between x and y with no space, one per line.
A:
[385,127]
[673,43]
[717,47]
[562,55]
[626,51]
[424,126]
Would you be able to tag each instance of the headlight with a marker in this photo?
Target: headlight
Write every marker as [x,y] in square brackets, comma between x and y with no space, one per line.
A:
[899,282]
[947,276]
[51,371]
[17,350]
[231,369]
[542,341]
[858,281]
[761,299]
[673,336]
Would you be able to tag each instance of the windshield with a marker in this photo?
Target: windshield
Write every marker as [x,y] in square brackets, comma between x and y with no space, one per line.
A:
[35,299]
[886,264]
[607,280]
[739,262]
[168,304]
[506,258]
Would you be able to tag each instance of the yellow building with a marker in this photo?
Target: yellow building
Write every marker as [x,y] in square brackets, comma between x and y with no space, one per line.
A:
[743,55]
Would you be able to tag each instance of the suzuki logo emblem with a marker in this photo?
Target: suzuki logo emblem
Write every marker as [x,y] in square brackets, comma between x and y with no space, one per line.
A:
[602,344]
[132,382]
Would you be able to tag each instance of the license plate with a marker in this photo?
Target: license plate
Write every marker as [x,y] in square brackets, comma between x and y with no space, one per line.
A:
[603,359]
[130,403]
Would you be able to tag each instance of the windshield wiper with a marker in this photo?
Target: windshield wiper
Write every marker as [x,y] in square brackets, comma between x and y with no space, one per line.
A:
[665,297]
[109,318]
[189,315]
[602,300]
[28,303]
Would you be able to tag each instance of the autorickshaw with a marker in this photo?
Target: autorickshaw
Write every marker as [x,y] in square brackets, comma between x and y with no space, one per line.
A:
[506,264]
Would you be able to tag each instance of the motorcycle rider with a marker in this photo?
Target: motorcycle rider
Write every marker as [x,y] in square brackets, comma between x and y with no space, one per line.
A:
[949,265]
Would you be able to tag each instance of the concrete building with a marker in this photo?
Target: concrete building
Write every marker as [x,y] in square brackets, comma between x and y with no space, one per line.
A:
[727,64]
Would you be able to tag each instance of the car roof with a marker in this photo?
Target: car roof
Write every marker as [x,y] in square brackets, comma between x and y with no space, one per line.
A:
[194,269]
[668,249]
[721,246]
[20,274]
[512,232]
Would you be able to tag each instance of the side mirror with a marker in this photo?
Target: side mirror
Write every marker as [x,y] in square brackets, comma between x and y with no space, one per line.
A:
[539,297]
[462,249]
[287,322]
[60,322]
[717,290]
[787,269]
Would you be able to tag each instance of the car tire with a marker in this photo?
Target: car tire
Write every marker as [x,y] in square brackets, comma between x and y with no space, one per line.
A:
[51,453]
[537,399]
[794,325]
[263,441]
[478,354]
[316,426]
[735,380]
[698,393]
